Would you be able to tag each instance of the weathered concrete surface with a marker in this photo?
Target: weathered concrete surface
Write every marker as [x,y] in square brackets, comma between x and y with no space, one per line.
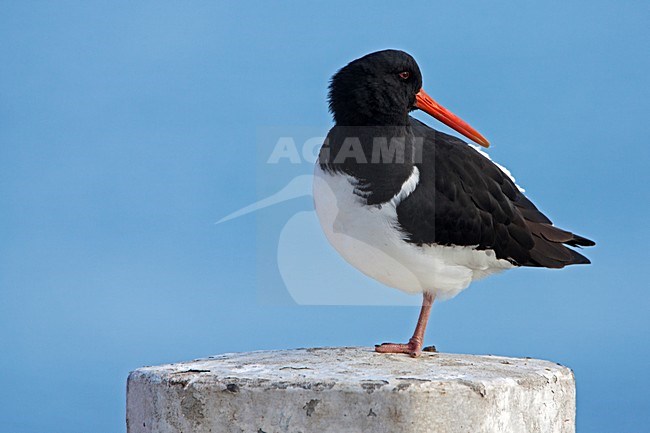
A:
[351,390]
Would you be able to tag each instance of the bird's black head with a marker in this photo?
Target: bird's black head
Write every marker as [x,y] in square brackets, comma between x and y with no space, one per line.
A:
[380,89]
[377,89]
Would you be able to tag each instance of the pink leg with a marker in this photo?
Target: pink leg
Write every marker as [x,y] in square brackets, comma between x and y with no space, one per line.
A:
[414,346]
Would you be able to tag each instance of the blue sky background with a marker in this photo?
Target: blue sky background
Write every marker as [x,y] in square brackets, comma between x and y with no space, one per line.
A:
[127,129]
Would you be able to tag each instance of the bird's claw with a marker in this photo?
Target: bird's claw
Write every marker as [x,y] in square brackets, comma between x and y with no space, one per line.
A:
[412,348]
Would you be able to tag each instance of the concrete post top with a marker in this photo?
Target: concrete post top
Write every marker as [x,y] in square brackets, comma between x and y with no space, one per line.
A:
[352,389]
[357,368]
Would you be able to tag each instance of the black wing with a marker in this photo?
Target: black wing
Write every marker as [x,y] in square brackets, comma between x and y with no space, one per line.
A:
[467,200]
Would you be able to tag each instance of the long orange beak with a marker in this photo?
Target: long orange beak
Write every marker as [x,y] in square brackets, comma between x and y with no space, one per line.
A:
[426,103]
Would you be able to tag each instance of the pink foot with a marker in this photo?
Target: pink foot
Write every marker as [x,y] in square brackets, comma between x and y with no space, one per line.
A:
[413,348]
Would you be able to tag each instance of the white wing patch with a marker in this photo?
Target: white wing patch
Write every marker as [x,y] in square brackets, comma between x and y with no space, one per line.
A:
[408,187]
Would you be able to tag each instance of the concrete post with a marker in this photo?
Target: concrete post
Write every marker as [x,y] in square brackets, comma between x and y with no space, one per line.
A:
[351,390]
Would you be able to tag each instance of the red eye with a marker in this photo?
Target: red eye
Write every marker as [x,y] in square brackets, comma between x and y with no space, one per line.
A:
[404,75]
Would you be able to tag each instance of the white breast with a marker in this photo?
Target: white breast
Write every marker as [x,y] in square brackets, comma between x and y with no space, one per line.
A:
[368,237]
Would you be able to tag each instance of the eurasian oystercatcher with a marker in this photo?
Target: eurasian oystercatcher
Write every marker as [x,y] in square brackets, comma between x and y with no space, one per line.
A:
[415,208]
